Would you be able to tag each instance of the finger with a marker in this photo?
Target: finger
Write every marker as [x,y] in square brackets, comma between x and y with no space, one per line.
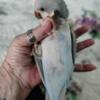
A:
[39,33]
[80,31]
[84,44]
[84,68]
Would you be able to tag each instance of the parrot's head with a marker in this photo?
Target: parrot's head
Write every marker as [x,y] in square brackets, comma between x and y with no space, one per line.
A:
[56,9]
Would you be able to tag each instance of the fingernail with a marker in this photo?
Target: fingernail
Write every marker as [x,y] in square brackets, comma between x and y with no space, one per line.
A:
[46,22]
[94,67]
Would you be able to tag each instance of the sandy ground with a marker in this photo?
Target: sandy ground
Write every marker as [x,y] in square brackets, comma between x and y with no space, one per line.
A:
[16,16]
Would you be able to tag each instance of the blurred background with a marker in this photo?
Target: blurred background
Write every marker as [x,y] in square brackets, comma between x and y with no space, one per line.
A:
[17,16]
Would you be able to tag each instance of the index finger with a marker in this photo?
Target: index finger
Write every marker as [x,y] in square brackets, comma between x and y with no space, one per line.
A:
[38,33]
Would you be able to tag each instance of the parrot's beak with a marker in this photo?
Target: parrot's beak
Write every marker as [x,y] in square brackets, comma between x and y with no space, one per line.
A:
[43,15]
[53,15]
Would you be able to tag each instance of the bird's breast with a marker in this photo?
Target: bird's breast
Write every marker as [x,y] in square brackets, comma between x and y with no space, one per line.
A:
[58,46]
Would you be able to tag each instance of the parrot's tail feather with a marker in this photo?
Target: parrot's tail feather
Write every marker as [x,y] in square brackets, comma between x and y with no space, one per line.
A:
[47,96]
[62,95]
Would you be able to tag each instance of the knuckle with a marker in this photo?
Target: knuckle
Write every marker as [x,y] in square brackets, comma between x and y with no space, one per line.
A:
[17,37]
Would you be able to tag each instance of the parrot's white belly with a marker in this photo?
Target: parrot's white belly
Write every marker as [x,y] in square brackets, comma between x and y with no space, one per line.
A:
[57,62]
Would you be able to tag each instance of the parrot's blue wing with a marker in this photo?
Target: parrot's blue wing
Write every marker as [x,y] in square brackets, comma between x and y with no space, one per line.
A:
[39,62]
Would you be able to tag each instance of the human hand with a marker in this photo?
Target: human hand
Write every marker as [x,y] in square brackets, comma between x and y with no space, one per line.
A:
[19,69]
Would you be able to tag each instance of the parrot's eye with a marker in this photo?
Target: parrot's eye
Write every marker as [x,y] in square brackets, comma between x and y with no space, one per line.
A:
[42,9]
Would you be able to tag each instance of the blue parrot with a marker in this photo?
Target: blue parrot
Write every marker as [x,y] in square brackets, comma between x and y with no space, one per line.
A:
[55,55]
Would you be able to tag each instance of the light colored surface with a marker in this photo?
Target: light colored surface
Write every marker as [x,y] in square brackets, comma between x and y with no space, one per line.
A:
[18,18]
[90,82]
